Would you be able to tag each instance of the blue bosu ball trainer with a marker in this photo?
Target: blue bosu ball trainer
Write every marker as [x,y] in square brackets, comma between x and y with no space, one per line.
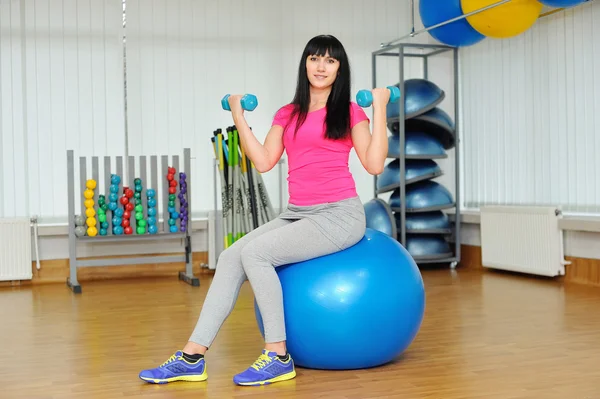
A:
[423,196]
[415,170]
[417,145]
[420,96]
[379,216]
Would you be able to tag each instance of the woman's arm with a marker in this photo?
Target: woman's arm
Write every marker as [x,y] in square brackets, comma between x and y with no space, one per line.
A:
[264,156]
[372,149]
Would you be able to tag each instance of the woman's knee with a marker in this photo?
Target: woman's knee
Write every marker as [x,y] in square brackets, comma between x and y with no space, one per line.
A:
[252,254]
[229,258]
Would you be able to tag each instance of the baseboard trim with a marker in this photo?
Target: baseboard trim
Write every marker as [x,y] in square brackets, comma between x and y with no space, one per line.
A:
[581,270]
[56,271]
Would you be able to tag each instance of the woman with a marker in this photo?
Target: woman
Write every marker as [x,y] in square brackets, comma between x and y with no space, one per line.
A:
[317,130]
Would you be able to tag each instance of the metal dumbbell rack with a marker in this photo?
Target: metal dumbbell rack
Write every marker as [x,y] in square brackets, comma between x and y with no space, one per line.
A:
[163,232]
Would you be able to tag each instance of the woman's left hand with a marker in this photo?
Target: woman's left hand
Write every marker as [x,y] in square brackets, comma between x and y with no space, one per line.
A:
[381,96]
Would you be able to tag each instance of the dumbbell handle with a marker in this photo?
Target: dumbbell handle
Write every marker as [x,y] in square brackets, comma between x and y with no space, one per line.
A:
[364,98]
[249,102]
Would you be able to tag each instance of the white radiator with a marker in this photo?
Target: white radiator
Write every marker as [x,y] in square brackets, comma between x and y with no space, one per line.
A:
[15,249]
[523,239]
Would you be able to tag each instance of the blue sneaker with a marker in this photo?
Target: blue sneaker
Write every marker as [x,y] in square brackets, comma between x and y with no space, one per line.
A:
[267,369]
[176,369]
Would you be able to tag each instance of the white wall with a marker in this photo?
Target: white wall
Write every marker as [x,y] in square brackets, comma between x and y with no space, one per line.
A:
[530,127]
[183,56]
[62,81]
[526,102]
[62,86]
[580,244]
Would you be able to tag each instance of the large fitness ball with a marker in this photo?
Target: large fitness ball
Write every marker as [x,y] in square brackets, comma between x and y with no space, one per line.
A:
[357,308]
[562,3]
[507,20]
[458,33]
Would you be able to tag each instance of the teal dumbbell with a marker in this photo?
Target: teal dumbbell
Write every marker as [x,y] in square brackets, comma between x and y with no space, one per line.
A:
[249,102]
[364,98]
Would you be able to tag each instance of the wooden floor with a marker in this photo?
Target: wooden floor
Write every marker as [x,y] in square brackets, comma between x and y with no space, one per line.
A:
[485,335]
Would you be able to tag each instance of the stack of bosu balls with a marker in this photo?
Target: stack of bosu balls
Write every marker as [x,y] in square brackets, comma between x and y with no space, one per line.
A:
[429,132]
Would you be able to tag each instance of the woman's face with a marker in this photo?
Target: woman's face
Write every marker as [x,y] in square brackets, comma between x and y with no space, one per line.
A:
[321,70]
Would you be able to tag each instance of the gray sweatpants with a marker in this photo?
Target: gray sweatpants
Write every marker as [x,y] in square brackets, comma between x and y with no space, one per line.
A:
[300,233]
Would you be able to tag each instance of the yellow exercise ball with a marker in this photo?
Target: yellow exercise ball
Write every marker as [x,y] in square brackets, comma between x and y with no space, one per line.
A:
[503,21]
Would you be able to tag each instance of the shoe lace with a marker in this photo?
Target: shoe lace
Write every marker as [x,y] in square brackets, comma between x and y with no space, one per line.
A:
[261,362]
[170,360]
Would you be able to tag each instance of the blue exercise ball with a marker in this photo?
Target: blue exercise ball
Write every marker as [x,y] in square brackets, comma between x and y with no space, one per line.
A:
[456,34]
[562,3]
[358,308]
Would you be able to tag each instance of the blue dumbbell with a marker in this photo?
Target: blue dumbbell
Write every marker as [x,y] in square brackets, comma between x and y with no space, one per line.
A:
[364,98]
[249,102]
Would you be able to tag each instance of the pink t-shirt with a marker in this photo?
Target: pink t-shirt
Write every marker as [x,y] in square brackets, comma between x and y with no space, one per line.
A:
[318,170]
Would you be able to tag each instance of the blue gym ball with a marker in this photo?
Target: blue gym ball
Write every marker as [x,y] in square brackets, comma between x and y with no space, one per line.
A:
[562,3]
[456,34]
[358,308]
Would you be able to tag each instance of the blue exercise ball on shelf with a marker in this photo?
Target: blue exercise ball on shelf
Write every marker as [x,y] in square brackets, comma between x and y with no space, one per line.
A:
[456,34]
[562,3]
[371,292]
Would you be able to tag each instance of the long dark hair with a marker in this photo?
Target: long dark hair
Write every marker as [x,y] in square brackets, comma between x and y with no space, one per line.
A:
[337,121]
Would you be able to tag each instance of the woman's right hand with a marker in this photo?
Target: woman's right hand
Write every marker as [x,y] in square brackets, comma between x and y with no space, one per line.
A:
[235,104]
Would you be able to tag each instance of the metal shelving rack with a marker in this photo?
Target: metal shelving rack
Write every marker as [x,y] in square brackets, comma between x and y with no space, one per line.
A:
[423,51]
